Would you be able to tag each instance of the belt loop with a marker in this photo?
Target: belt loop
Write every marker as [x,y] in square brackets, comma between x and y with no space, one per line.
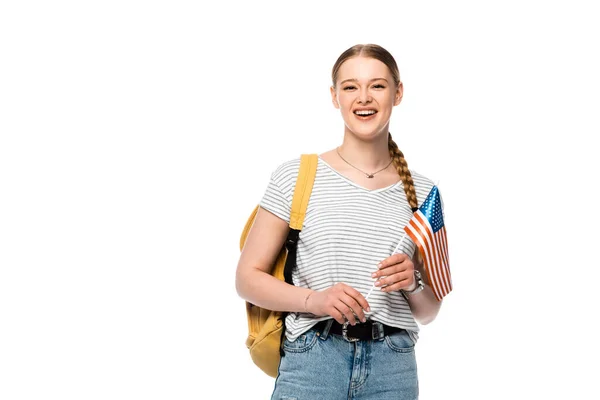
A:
[377,330]
[325,331]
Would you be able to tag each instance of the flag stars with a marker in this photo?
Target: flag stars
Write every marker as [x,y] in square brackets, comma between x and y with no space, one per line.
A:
[432,209]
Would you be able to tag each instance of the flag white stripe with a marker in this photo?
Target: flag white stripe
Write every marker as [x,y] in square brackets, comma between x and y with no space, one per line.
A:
[442,262]
[436,266]
[427,257]
[445,271]
[437,261]
[436,256]
[421,235]
[432,260]
[445,266]
[444,242]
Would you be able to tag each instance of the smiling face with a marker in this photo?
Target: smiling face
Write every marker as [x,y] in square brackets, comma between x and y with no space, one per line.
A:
[365,93]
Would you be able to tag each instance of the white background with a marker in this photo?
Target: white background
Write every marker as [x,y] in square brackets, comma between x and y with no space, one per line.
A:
[136,137]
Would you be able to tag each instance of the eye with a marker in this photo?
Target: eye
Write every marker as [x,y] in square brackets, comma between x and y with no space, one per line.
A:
[379,86]
[349,88]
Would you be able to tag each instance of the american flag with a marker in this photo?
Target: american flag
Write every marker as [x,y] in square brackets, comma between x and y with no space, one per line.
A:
[426,228]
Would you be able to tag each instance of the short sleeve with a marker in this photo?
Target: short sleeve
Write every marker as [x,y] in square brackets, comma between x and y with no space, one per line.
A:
[275,200]
[278,196]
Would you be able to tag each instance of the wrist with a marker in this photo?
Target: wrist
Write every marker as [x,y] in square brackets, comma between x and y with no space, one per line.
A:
[411,287]
[417,285]
[306,297]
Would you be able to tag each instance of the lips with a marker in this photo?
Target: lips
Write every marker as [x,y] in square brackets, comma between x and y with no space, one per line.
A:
[365,114]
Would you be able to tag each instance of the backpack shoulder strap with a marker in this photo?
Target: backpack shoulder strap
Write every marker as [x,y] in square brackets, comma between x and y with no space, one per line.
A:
[302,192]
[303,189]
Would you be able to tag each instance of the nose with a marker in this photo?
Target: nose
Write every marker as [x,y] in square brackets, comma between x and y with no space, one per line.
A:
[364,96]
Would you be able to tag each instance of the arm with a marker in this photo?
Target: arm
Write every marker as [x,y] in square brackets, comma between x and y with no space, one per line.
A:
[423,305]
[256,285]
[253,280]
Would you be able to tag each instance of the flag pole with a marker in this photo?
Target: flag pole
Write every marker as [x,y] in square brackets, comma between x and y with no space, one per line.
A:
[394,252]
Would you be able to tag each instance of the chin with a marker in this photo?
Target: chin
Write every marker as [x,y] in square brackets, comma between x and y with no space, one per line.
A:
[366,133]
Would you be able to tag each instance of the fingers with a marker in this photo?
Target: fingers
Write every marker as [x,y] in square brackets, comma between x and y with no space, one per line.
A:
[395,282]
[353,310]
[397,258]
[338,315]
[361,303]
[346,313]
[398,263]
[347,304]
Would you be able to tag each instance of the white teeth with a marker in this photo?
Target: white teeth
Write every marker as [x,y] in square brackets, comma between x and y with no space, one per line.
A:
[364,112]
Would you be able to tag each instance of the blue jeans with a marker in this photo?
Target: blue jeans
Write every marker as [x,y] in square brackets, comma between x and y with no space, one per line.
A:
[323,366]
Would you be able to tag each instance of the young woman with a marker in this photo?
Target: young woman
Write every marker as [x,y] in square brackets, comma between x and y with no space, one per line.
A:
[363,196]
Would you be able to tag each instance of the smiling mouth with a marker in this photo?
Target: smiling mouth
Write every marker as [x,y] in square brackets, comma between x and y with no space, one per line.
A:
[365,114]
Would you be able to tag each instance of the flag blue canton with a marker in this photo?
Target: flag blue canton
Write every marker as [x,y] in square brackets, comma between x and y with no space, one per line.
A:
[432,209]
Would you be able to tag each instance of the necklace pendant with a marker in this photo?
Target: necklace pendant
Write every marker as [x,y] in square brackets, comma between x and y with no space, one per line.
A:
[369,175]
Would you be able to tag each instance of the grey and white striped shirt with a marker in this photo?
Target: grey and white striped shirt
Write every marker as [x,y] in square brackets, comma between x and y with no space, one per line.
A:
[347,230]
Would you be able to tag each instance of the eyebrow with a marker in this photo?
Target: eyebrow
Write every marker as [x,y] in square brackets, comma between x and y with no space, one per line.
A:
[356,80]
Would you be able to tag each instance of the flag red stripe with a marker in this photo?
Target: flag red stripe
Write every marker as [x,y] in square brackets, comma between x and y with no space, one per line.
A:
[434,249]
[433,261]
[423,231]
[438,270]
[421,240]
[437,265]
[414,233]
[442,264]
[444,243]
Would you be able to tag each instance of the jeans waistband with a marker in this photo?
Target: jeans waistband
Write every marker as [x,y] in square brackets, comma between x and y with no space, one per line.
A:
[370,330]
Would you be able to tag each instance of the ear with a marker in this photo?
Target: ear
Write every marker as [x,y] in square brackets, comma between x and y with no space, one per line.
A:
[399,93]
[334,97]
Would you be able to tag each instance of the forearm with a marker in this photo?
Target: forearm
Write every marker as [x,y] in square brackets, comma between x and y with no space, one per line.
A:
[424,305]
[266,291]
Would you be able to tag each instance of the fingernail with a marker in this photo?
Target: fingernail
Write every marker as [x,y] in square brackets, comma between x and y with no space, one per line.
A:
[374,274]
[364,319]
[379,265]
[368,309]
[377,283]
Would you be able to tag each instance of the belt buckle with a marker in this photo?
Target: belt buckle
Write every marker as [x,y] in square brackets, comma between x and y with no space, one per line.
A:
[345,333]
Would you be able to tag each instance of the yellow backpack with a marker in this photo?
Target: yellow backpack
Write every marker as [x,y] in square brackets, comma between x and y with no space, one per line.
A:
[266,327]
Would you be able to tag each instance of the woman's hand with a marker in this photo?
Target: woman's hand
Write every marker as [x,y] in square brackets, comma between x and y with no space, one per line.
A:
[340,301]
[398,271]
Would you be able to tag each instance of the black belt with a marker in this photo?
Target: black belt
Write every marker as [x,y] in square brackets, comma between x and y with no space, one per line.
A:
[370,330]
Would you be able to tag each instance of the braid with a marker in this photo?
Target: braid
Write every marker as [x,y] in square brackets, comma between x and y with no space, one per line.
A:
[402,168]
[407,181]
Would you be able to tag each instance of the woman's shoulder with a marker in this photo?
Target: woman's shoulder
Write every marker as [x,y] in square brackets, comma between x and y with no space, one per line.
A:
[285,172]
[423,185]
[421,180]
[287,165]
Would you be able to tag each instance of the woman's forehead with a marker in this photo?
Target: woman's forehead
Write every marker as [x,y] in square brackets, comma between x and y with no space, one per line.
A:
[363,68]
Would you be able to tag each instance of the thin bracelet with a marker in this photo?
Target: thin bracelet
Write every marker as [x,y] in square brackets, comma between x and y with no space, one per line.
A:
[306,299]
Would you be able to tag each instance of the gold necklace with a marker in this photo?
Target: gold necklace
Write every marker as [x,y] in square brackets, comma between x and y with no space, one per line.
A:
[367,174]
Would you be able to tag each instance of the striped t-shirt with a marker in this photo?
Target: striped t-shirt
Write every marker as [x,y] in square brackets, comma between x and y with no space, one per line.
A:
[347,231]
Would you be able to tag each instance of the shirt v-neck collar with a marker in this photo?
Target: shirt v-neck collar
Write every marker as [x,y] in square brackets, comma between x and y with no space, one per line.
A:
[383,189]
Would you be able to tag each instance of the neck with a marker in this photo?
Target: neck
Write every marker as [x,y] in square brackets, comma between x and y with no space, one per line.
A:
[367,155]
